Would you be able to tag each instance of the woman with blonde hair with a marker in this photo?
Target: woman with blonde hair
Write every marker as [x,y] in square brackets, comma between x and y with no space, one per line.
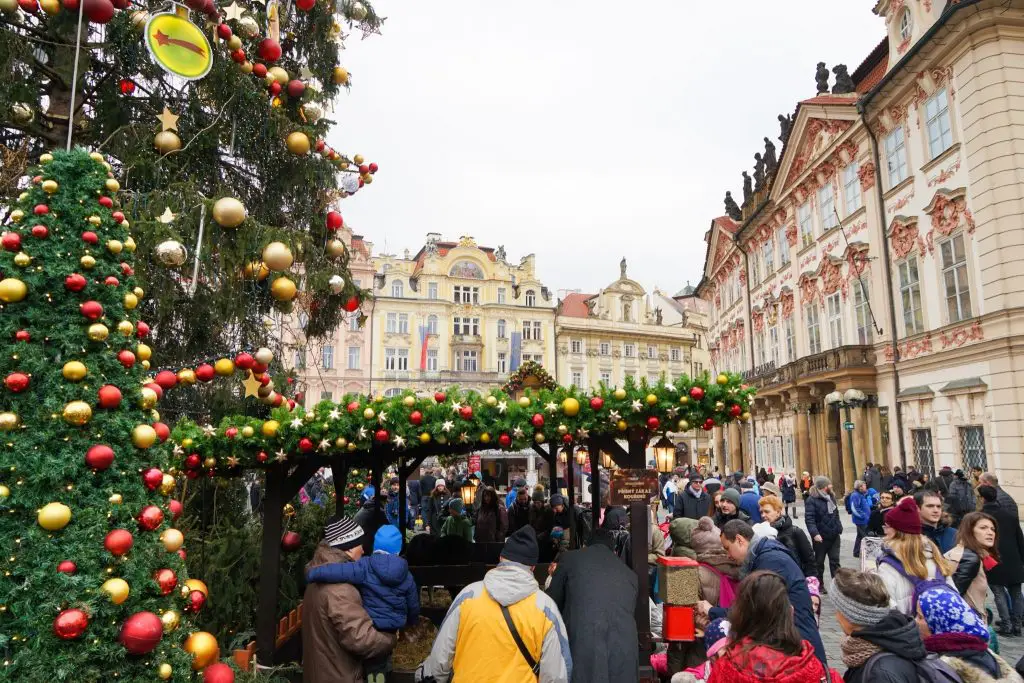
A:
[908,558]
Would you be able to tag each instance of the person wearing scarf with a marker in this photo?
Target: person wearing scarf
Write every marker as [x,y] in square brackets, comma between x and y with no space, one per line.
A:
[959,636]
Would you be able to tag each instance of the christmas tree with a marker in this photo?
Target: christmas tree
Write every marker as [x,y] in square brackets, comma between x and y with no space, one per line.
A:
[214,118]
[93,583]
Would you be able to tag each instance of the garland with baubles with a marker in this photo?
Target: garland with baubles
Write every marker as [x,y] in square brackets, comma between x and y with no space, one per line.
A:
[362,424]
[530,368]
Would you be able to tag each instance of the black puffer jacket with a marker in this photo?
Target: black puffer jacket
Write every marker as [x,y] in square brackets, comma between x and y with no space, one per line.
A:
[691,506]
[898,636]
[721,518]
[796,540]
[819,520]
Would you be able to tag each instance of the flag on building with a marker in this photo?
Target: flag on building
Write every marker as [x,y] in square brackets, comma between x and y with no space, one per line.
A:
[517,351]
[424,337]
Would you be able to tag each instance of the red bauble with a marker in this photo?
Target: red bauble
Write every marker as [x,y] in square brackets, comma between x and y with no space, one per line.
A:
[191,474]
[345,499]
[11,241]
[106,202]
[71,624]
[156,388]
[709,424]
[126,269]
[181,551]
[537,420]
[30,6]
[440,397]
[223,31]
[118,542]
[290,542]
[305,5]
[40,231]
[466,412]
[22,336]
[305,445]
[258,367]
[504,440]
[166,379]
[653,423]
[274,88]
[175,507]
[75,282]
[373,168]
[697,393]
[295,86]
[109,396]
[152,477]
[334,221]
[238,56]
[244,361]
[99,11]
[231,432]
[269,50]
[196,600]
[67,567]
[141,330]
[117,216]
[205,372]
[596,403]
[218,672]
[259,70]
[416,417]
[567,439]
[16,382]
[99,457]
[381,435]
[91,310]
[735,410]
[151,518]
[126,358]
[351,304]
[364,169]
[89,237]
[111,281]
[192,461]
[166,579]
[141,633]
[41,209]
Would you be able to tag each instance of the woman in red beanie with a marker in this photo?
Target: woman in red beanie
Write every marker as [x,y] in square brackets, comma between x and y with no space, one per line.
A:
[908,557]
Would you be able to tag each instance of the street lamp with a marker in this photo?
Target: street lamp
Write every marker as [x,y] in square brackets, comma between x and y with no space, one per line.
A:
[582,455]
[562,458]
[665,455]
[468,492]
[848,400]
[606,460]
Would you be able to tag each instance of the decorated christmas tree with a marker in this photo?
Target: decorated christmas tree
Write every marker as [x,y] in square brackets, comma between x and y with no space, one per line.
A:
[93,584]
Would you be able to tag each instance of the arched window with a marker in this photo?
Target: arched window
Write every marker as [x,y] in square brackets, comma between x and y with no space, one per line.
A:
[905,25]
[392,392]
[432,324]
[397,289]
[501,329]
[531,298]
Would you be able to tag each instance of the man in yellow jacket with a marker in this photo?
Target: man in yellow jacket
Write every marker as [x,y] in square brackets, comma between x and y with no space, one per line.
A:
[475,642]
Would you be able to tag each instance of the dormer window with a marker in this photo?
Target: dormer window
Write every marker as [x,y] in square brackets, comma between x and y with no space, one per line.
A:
[905,25]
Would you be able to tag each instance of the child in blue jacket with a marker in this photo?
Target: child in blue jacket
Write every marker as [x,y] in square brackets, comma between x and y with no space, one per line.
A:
[390,595]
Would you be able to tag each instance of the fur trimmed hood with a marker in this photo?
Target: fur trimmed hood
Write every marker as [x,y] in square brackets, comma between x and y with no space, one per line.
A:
[971,674]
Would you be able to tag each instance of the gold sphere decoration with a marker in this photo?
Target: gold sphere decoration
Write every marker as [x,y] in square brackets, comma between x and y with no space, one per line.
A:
[203,648]
[256,269]
[115,246]
[116,589]
[129,244]
[225,367]
[4,492]
[283,289]
[524,401]
[88,262]
[186,376]
[210,462]
[278,74]
[147,399]
[77,413]
[297,143]
[167,485]
[74,371]
[170,619]
[340,75]
[143,436]
[45,158]
[54,516]
[269,428]
[50,186]
[126,328]
[264,355]
[112,185]
[172,539]
[22,259]
[97,332]
[170,253]
[369,414]
[130,301]
[228,212]
[197,585]
[167,141]
[17,215]
[143,351]
[12,290]
[278,256]
[164,671]
[335,248]
[115,499]
[95,220]
[8,421]
[539,437]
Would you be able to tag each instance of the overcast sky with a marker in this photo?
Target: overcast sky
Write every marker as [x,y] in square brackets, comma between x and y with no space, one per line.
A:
[579,130]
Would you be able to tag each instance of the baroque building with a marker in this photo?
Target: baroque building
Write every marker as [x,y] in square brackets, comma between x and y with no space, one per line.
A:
[868,286]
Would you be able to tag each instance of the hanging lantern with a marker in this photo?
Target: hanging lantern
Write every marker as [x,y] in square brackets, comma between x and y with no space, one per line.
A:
[606,460]
[665,455]
[562,458]
[468,492]
[582,455]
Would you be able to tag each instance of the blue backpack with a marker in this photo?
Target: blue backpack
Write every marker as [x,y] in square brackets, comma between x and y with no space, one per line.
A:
[920,585]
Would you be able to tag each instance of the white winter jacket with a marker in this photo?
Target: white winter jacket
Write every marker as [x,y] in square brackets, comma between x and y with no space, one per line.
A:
[901,590]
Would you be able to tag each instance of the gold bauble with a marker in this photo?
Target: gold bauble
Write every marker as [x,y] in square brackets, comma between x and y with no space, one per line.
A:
[22,259]
[197,585]
[621,425]
[210,462]
[225,367]
[340,75]
[297,143]
[288,510]
[257,269]
[77,413]
[341,442]
[88,262]
[129,245]
[264,355]
[170,619]
[167,485]
[147,399]
[745,417]
[130,301]
[269,428]
[22,113]
[115,246]
[203,648]
[651,399]
[51,7]
[283,289]
[409,401]
[50,186]
[539,437]
[139,292]
[312,111]
[54,516]
[170,253]
[335,248]
[96,156]
[45,158]
[4,492]
[683,400]
[228,212]
[167,141]
[425,437]
[524,401]
[97,332]
[248,431]
[570,406]
[278,74]
[684,426]
[186,377]
[143,352]
[95,220]
[619,394]
[369,414]
[246,67]
[485,438]
[126,328]
[143,436]
[74,371]
[172,540]
[112,185]
[278,256]
[12,290]
[17,215]
[563,430]
[115,499]
[8,421]
[358,159]
[164,671]
[234,43]
[116,589]
[719,406]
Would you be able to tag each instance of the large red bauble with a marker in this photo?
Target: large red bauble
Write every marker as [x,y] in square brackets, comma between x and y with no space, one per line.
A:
[381,435]
[22,336]
[141,633]
[40,231]
[352,407]
[223,31]
[16,382]
[259,70]
[504,440]
[11,241]
[150,518]
[163,432]
[278,399]
[537,420]
[196,600]
[40,209]
[126,269]
[709,424]
[166,579]
[364,169]
[192,461]
[373,168]
[67,567]
[156,388]
[205,372]
[231,432]
[175,507]
[653,423]
[466,412]
[567,438]
[71,624]
[416,417]
[166,379]
[218,672]
[118,541]
[141,330]
[91,310]
[735,410]
[126,358]
[117,216]
[99,11]
[99,457]
[596,403]
[244,361]
[238,56]
[295,86]
[351,304]
[440,397]
[334,220]
[89,237]
[305,5]
[107,202]
[290,542]
[152,477]
[109,396]
[111,281]
[697,393]
[30,6]
[269,50]
[75,282]
[305,445]
[258,368]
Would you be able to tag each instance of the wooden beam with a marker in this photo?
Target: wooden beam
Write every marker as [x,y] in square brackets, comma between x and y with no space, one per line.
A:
[640,535]
[270,569]
[595,484]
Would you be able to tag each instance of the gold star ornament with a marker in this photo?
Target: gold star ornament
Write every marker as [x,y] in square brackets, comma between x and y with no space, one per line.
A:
[168,121]
[252,386]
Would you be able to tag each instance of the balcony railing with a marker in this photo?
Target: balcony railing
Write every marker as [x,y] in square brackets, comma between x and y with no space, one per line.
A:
[807,368]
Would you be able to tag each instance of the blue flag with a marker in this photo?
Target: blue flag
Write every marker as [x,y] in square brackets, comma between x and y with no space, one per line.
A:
[517,351]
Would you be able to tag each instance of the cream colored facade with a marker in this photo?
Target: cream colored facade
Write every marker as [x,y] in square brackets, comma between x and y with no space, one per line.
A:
[894,208]
[468,303]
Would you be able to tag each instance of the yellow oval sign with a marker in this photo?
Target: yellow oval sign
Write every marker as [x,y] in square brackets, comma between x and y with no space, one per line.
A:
[178,46]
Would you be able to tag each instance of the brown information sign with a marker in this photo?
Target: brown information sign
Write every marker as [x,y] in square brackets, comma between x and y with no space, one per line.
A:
[633,486]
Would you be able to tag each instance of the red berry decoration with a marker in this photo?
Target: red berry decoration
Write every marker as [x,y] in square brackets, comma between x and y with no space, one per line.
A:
[364,169]
[296,88]
[305,445]
[100,457]
[117,216]
[89,237]
[269,50]
[537,420]
[126,358]
[152,477]
[142,330]
[697,393]
[259,70]
[11,241]
[111,281]
[416,417]
[75,282]
[16,382]
[196,600]
[71,624]
[596,403]
[91,310]
[504,440]
[150,518]
[466,412]
[351,304]
[166,579]
[567,438]
[334,221]
[218,672]
[653,423]
[141,633]
[176,509]
[735,410]
[381,436]
[373,168]
[109,396]
[238,56]
[440,397]
[166,379]
[40,231]
[262,456]
[231,432]
[352,407]
[67,567]
[118,542]
[192,461]
[41,209]
[126,269]
[22,336]
[106,202]
[709,424]
[205,372]
[290,542]
[223,31]
[244,361]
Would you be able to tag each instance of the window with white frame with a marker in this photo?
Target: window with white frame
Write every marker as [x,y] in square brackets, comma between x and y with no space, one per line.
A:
[813,328]
[464,294]
[354,353]
[834,310]
[940,133]
[768,254]
[606,377]
[652,351]
[576,346]
[468,326]
[577,378]
[698,368]
[327,355]
[804,220]
[755,270]
[403,323]
[392,392]
[896,156]
[353,323]
[737,287]
[827,206]
[531,298]
[905,25]
[761,349]
[392,323]
[326,396]
[432,360]
[780,236]
[501,329]
[300,358]
[396,359]
[910,295]
[605,349]
[466,361]
[502,362]
[674,354]
[954,275]
[527,330]
[536,330]
[501,295]
[789,331]
[397,289]
[851,187]
[431,290]
[629,350]
[773,345]
[862,312]
[431,324]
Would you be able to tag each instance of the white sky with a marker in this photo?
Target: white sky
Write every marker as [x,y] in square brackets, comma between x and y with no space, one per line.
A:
[579,130]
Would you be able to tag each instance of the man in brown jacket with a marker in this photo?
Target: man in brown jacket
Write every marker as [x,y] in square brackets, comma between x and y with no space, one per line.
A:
[337,633]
